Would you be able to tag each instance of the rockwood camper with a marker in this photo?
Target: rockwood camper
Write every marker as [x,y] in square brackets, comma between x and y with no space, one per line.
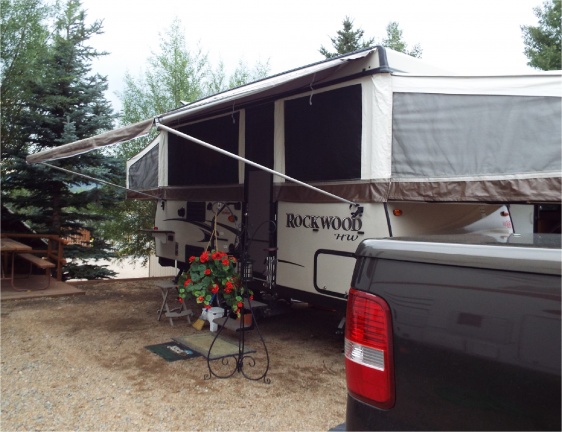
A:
[302,166]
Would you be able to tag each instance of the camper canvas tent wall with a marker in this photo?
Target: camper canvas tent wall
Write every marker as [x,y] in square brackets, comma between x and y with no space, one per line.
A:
[418,151]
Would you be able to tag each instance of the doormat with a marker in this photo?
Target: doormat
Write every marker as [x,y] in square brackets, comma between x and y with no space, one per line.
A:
[221,348]
[172,351]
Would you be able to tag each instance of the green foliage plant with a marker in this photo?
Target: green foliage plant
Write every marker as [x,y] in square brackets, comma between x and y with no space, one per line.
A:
[395,42]
[543,43]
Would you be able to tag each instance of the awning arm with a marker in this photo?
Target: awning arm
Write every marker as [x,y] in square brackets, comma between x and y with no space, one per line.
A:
[249,162]
[96,180]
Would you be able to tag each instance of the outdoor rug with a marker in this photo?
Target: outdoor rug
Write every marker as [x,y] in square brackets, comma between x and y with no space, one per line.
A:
[172,351]
[201,343]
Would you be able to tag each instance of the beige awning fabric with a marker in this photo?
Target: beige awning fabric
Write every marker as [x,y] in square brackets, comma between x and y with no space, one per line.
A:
[298,78]
[112,137]
[302,78]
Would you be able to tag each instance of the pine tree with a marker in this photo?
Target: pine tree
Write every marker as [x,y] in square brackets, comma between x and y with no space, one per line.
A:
[347,40]
[394,41]
[66,104]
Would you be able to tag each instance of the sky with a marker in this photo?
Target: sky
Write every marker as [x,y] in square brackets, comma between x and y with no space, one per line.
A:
[464,36]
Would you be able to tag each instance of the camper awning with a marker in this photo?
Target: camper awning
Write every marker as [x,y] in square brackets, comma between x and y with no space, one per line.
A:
[112,137]
[307,77]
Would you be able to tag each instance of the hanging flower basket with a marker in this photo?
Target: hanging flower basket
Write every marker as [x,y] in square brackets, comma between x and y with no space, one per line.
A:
[212,275]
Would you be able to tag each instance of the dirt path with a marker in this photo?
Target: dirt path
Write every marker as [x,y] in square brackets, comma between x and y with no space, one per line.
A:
[79,363]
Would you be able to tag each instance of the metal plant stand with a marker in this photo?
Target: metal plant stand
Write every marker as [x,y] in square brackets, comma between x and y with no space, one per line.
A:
[252,364]
[245,360]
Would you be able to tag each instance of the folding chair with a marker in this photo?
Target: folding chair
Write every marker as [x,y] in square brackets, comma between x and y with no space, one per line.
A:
[168,290]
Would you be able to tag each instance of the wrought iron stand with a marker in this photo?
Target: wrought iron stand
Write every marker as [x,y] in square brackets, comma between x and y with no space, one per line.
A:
[245,360]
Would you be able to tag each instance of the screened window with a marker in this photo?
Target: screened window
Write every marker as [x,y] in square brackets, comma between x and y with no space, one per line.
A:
[143,174]
[192,164]
[323,135]
[259,134]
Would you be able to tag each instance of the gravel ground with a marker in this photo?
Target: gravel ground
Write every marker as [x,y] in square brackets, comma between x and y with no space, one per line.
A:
[79,363]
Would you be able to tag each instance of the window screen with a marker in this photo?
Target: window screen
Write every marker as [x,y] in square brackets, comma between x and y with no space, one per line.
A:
[192,164]
[259,134]
[143,174]
[323,135]
[438,135]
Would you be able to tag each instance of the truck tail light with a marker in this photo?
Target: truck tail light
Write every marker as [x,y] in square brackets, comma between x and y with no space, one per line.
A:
[368,349]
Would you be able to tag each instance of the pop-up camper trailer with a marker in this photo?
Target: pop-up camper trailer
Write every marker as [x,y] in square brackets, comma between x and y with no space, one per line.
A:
[388,145]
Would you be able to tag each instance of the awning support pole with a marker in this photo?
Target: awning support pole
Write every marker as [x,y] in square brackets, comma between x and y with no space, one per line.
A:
[96,180]
[249,162]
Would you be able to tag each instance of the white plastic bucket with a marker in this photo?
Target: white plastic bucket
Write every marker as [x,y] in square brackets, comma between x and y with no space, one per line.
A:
[214,312]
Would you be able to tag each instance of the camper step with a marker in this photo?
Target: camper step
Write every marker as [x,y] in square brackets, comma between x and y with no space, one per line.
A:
[233,324]
[255,304]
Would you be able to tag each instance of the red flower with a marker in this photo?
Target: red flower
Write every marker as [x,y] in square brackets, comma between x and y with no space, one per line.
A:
[228,285]
[187,282]
[233,259]
[251,297]
[207,272]
[225,262]
[204,257]
[215,289]
[180,299]
[200,299]
[191,259]
[240,305]
[217,255]
[207,306]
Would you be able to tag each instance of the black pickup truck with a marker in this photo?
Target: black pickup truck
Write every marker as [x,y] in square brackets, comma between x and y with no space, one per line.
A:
[455,333]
